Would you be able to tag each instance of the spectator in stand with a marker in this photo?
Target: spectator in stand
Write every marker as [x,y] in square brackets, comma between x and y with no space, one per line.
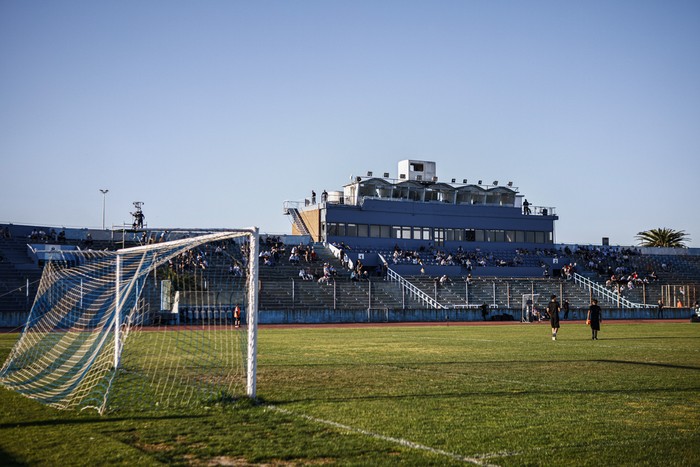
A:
[236,271]
[294,258]
[359,268]
[305,275]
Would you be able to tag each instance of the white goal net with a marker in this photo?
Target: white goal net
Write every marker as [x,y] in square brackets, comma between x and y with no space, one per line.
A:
[172,322]
[531,310]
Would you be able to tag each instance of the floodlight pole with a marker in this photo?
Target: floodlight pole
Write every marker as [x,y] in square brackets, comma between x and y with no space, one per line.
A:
[104,199]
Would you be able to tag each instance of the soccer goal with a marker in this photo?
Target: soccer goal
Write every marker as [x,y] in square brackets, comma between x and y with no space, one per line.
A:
[529,311]
[172,322]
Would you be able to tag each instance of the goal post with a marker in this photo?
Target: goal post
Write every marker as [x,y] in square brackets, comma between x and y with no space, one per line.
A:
[251,381]
[530,305]
[153,324]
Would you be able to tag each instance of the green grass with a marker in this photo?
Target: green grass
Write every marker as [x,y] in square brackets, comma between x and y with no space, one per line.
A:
[501,395]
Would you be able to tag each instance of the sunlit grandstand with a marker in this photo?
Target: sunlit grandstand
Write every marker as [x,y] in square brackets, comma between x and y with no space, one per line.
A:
[411,247]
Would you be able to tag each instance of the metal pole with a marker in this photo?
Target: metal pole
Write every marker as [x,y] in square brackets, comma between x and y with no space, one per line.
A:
[403,296]
[494,292]
[508,294]
[104,198]
[369,295]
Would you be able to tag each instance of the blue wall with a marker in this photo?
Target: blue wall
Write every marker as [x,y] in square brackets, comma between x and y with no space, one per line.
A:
[17,320]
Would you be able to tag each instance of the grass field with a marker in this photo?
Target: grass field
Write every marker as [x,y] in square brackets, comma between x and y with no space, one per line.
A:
[417,395]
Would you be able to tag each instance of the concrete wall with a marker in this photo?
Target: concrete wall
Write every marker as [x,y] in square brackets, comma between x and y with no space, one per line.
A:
[13,319]
[453,315]
[18,319]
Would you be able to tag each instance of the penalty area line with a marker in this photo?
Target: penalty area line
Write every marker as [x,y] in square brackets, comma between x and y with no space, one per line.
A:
[477,460]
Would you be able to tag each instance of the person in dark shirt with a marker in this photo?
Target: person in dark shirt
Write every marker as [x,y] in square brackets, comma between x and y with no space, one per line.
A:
[594,318]
[484,311]
[553,309]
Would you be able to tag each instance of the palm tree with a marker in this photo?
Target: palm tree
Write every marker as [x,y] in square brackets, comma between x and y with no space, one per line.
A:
[663,237]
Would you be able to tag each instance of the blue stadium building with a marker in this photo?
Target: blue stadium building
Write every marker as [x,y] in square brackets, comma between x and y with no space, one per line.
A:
[416,209]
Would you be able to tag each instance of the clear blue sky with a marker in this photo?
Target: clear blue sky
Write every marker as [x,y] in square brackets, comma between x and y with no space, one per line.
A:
[214,112]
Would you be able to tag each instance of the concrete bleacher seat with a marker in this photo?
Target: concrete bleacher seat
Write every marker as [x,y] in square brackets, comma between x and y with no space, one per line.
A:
[283,289]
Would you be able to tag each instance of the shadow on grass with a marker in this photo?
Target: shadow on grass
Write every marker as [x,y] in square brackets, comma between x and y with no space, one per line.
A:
[662,365]
[90,420]
[665,338]
[470,394]
[411,365]
[8,460]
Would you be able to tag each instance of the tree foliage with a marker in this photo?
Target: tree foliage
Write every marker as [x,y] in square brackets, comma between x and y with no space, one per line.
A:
[663,237]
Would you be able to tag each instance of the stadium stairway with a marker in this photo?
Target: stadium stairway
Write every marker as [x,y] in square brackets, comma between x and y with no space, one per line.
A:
[282,288]
[16,269]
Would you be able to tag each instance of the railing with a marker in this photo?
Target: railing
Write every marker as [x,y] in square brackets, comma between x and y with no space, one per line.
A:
[414,291]
[542,210]
[298,221]
[605,293]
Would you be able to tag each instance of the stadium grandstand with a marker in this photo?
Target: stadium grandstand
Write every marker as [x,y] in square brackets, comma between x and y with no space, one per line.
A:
[408,248]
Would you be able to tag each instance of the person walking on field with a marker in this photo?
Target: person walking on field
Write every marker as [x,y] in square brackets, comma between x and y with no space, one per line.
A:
[553,309]
[594,318]
[237,316]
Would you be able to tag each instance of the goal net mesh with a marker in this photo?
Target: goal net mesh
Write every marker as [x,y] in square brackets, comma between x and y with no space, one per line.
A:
[531,307]
[141,327]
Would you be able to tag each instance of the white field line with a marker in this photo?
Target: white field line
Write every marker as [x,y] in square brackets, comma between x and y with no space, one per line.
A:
[477,459]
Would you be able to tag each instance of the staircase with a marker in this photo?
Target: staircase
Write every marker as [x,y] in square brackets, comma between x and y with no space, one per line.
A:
[605,294]
[291,210]
[16,270]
